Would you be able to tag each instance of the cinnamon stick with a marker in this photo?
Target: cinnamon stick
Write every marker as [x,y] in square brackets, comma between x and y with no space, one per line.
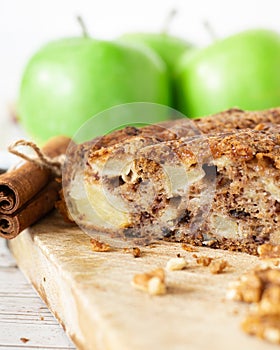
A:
[17,187]
[40,205]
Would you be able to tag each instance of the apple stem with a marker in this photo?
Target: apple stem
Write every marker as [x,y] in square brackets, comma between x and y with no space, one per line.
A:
[169,18]
[210,30]
[83,27]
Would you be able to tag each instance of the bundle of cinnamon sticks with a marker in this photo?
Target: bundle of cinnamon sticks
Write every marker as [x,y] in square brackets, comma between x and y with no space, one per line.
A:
[29,192]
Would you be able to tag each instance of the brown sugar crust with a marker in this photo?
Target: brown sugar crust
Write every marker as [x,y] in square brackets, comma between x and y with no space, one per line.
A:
[229,120]
[236,119]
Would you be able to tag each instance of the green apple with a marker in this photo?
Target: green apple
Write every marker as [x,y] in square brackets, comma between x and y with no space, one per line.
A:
[240,71]
[70,80]
[168,47]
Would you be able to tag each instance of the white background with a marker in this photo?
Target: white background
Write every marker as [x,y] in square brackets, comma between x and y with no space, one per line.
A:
[25,25]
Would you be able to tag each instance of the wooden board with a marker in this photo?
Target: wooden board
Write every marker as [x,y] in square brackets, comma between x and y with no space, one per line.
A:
[91,295]
[23,315]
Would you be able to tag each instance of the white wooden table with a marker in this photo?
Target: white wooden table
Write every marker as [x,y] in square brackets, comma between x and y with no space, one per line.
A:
[22,313]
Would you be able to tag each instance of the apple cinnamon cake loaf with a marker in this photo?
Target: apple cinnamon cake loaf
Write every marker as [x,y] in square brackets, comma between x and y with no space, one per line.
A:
[219,189]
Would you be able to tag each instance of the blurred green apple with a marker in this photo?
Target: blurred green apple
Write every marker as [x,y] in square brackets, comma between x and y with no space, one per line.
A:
[169,48]
[70,80]
[240,71]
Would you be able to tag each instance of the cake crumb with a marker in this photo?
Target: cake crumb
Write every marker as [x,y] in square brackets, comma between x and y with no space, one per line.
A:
[188,248]
[136,252]
[98,246]
[152,282]
[218,266]
[174,264]
[203,260]
[24,340]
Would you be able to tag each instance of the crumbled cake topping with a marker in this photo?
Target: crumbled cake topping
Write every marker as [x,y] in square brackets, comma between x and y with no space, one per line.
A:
[246,144]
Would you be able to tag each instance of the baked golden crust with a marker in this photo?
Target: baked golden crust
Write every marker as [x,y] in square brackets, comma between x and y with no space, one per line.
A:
[236,119]
[226,121]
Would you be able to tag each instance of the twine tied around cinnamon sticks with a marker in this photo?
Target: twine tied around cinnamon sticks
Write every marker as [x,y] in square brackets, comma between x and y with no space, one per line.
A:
[24,150]
[30,191]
